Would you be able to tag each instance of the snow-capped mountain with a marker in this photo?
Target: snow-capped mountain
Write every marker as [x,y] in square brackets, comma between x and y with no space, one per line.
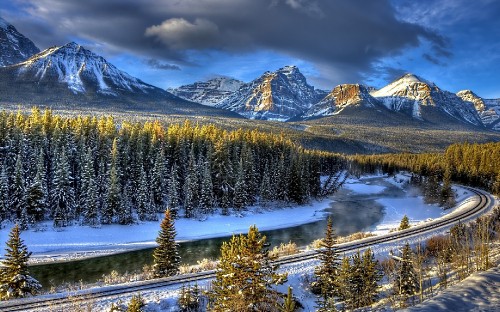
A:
[14,46]
[422,99]
[210,92]
[278,95]
[72,76]
[81,71]
[342,96]
[488,109]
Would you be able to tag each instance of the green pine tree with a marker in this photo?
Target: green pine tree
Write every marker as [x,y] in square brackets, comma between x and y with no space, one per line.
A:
[405,223]
[15,281]
[328,270]
[406,281]
[245,277]
[136,304]
[166,256]
[289,303]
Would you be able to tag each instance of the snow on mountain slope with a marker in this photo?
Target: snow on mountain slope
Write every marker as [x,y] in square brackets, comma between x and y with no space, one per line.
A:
[81,70]
[210,92]
[489,110]
[342,96]
[412,95]
[14,46]
[278,95]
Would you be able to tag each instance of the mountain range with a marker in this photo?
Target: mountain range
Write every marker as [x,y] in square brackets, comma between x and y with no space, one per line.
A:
[72,76]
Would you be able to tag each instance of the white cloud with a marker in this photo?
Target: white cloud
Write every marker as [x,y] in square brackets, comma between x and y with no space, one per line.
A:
[178,33]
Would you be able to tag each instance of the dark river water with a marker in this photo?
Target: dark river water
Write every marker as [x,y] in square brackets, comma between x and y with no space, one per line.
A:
[351,212]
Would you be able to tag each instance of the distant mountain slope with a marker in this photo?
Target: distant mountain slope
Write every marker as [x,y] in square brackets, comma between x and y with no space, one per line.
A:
[278,95]
[72,75]
[423,100]
[14,46]
[210,92]
[489,110]
[342,96]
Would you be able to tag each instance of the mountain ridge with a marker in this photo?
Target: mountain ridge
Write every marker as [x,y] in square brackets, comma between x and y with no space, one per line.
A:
[14,46]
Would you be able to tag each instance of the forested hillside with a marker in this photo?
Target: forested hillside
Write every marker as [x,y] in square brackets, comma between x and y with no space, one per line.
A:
[89,170]
[472,164]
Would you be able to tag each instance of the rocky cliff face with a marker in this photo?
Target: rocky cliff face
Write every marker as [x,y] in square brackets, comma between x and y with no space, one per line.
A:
[417,97]
[14,46]
[339,98]
[279,95]
[488,109]
[210,92]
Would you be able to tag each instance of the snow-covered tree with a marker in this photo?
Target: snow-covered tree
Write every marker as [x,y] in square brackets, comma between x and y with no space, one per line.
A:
[406,281]
[166,255]
[88,196]
[4,194]
[240,189]
[63,196]
[15,280]
[404,224]
[206,195]
[17,195]
[328,270]
[191,194]
[246,276]
[112,205]
[173,202]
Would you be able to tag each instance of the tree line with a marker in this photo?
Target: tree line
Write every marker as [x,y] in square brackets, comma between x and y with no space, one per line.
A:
[471,164]
[91,170]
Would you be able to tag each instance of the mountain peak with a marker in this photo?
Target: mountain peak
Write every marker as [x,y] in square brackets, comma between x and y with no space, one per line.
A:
[3,23]
[81,69]
[210,92]
[278,95]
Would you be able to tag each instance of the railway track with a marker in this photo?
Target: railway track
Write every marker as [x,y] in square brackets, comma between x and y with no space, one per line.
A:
[56,302]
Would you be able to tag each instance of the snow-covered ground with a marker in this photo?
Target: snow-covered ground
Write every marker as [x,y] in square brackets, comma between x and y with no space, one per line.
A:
[478,292]
[76,242]
[165,299]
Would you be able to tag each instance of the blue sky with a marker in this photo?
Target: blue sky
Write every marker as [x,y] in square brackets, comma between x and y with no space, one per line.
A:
[455,43]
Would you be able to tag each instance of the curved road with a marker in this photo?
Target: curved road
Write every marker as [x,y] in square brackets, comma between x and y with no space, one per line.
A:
[478,204]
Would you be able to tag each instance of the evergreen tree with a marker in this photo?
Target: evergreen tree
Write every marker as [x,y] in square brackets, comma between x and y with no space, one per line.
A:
[112,205]
[405,223]
[15,281]
[240,189]
[328,271]
[17,194]
[88,196]
[173,201]
[189,299]
[371,277]
[206,196]
[4,194]
[191,194]
[356,282]
[166,256]
[63,196]
[406,282]
[266,194]
[136,304]
[124,215]
[158,182]
[344,281]
[289,303]
[245,275]
[143,198]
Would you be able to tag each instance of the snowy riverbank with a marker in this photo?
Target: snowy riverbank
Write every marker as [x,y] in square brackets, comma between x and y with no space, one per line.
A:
[76,242]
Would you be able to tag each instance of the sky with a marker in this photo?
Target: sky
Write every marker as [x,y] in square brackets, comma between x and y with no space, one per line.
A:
[168,43]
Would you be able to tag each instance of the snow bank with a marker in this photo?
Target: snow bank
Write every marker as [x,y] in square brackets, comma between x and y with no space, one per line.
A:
[81,241]
[478,292]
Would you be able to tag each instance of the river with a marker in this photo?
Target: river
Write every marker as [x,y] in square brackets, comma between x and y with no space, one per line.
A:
[351,212]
